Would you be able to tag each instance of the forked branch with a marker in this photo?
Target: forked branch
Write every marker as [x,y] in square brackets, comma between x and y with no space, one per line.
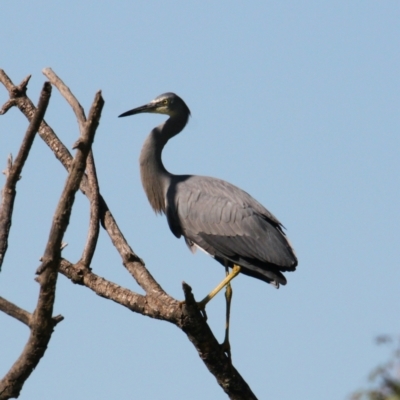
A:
[41,322]
[156,303]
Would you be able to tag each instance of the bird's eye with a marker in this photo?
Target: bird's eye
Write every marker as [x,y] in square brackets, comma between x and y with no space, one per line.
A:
[165,102]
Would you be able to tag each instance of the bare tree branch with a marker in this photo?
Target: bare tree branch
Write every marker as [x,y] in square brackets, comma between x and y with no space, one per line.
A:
[217,362]
[94,223]
[7,105]
[67,94]
[14,170]
[155,303]
[104,288]
[64,208]
[42,321]
[14,311]
[14,91]
[93,233]
[63,155]
[186,316]
[19,313]
[131,261]
[19,99]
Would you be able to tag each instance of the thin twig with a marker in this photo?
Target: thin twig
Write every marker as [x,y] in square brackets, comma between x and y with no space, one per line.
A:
[14,170]
[14,311]
[26,106]
[94,225]
[7,105]
[67,94]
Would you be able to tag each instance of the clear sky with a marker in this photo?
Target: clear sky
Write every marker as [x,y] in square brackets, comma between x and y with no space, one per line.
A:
[295,102]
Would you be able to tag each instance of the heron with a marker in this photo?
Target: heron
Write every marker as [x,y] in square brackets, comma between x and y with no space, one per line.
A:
[211,214]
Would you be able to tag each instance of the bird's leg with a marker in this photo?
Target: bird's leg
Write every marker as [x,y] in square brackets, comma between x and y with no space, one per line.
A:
[226,280]
[226,347]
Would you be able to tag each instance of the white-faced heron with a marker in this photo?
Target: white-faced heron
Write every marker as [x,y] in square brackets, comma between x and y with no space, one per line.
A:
[212,214]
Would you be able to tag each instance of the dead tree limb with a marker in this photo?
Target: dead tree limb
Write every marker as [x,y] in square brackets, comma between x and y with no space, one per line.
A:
[14,170]
[156,303]
[41,322]
[14,311]
[187,317]
[92,181]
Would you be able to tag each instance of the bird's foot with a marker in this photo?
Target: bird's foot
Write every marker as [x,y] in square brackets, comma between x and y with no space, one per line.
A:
[202,308]
[226,348]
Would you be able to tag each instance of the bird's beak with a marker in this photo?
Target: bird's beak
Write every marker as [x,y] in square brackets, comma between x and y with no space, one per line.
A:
[148,108]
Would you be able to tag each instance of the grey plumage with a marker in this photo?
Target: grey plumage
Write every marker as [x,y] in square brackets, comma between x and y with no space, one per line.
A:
[210,213]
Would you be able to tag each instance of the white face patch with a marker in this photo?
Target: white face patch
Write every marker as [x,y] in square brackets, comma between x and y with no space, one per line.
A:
[160,108]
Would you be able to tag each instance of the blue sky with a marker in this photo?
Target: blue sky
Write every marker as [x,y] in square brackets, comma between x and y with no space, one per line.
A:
[295,102]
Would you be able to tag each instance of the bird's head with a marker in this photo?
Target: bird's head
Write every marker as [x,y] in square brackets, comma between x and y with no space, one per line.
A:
[167,103]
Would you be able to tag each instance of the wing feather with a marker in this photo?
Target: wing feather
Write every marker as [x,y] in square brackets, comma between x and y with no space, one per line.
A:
[229,224]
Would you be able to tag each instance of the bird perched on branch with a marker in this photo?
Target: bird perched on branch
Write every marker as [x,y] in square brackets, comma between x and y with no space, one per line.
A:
[211,214]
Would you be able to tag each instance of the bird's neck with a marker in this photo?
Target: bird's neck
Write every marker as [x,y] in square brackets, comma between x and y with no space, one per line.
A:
[155,178]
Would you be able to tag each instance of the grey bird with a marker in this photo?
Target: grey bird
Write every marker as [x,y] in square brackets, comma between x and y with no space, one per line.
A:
[211,214]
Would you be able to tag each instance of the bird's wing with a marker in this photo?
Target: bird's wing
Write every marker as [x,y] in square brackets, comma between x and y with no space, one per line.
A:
[226,222]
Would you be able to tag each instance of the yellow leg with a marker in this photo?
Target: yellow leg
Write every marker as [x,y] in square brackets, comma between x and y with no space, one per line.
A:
[227,279]
[226,346]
